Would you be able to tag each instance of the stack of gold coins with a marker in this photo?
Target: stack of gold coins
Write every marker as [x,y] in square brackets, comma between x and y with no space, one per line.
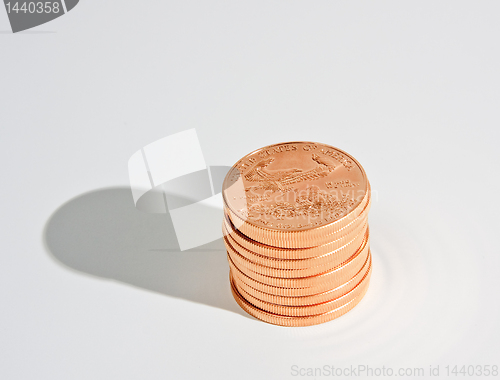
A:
[296,232]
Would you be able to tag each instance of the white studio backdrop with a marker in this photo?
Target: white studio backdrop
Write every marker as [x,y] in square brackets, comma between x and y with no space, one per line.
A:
[91,287]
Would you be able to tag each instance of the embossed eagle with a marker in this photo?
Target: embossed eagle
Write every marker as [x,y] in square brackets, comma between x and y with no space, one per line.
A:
[282,179]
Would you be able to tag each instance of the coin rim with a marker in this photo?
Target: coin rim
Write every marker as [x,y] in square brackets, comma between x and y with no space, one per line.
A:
[306,310]
[304,300]
[285,321]
[224,183]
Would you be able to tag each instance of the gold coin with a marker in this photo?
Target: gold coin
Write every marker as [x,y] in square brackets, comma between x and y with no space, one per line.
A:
[295,194]
[281,320]
[304,311]
[330,258]
[338,240]
[311,239]
[301,239]
[296,232]
[310,299]
[244,263]
[305,285]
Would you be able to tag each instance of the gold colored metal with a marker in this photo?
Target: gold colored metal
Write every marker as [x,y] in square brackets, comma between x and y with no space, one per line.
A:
[281,320]
[310,299]
[337,240]
[299,238]
[306,310]
[301,275]
[332,278]
[296,232]
[330,258]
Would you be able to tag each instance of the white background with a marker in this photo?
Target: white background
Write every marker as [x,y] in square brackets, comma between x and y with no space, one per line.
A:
[93,289]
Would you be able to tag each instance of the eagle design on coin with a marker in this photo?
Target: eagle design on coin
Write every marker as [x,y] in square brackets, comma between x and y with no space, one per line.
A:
[280,180]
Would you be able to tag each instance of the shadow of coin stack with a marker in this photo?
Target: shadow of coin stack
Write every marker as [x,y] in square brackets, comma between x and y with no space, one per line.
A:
[297,234]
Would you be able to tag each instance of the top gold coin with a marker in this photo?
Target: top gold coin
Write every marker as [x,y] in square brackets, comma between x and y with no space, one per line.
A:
[295,186]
